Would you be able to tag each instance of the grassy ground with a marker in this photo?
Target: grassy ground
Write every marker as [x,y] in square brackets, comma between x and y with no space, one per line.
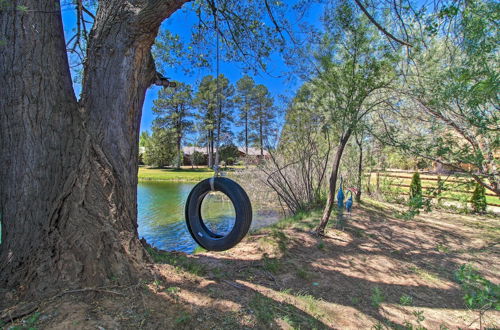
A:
[377,272]
[183,174]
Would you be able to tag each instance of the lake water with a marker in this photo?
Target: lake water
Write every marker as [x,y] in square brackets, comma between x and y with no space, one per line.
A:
[161,214]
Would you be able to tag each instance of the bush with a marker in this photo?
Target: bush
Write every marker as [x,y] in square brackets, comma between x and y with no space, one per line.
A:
[198,158]
[228,152]
[478,199]
[479,292]
[416,200]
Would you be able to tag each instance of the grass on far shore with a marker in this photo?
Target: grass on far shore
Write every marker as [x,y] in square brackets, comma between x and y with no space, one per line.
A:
[185,173]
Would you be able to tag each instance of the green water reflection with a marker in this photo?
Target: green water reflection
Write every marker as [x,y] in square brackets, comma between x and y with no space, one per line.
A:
[161,214]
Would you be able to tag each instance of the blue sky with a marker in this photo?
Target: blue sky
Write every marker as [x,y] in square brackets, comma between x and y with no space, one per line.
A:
[181,23]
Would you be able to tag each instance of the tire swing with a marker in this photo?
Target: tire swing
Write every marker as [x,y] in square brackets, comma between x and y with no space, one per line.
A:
[205,237]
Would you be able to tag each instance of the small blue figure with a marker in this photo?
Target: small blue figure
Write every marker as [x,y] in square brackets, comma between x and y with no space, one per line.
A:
[340,195]
[348,203]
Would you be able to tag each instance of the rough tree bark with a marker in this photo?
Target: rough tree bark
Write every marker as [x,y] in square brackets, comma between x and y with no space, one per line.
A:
[69,168]
[333,183]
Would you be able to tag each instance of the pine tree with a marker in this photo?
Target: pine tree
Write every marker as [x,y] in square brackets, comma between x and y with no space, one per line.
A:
[262,117]
[416,201]
[173,111]
[160,148]
[245,100]
[478,199]
[207,104]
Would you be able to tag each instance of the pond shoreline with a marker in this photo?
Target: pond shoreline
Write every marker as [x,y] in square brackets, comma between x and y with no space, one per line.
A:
[161,219]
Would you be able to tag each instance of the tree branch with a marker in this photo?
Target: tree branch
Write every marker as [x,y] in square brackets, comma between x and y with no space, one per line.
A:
[380,27]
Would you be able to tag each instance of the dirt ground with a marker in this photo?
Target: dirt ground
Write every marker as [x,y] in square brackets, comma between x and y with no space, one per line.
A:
[377,272]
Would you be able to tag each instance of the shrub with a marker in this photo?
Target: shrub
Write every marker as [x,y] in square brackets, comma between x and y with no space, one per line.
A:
[406,300]
[377,297]
[228,151]
[416,200]
[198,158]
[479,292]
[478,199]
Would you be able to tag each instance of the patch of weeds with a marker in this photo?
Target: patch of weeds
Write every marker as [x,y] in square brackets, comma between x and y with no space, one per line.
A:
[231,321]
[157,284]
[263,308]
[321,245]
[480,294]
[179,261]
[357,232]
[272,265]
[311,303]
[424,274]
[419,318]
[183,318]
[199,249]
[397,252]
[442,248]
[378,326]
[281,239]
[407,215]
[173,290]
[355,301]
[303,273]
[218,273]
[266,310]
[406,300]
[29,323]
[377,297]
[288,320]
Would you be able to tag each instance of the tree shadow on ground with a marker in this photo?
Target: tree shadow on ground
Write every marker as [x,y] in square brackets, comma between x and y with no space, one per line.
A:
[280,278]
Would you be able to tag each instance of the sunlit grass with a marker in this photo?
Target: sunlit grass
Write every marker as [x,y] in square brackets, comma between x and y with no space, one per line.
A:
[167,174]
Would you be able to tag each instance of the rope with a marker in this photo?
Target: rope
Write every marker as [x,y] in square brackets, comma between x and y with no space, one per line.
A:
[219,101]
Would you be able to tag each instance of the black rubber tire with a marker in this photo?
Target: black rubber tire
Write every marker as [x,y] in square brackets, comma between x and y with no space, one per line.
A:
[242,207]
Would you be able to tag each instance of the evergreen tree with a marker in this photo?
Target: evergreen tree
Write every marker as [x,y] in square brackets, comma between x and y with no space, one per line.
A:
[246,102]
[160,148]
[263,116]
[208,108]
[478,199]
[416,201]
[173,112]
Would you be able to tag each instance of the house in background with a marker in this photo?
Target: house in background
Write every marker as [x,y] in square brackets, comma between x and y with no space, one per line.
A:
[252,156]
[189,157]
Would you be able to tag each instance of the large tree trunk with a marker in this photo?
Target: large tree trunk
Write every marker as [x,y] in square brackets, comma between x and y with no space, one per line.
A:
[333,183]
[69,169]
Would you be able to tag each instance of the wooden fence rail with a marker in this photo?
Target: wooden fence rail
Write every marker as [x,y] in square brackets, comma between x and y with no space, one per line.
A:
[447,179]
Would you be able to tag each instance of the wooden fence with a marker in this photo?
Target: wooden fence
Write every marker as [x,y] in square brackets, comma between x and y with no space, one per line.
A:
[453,185]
